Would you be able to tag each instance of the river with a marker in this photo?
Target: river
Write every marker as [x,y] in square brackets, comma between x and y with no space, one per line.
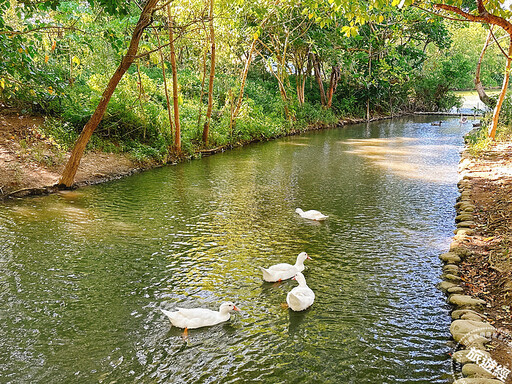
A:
[83,274]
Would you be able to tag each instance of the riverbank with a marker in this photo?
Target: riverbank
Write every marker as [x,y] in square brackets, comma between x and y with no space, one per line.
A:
[31,163]
[477,276]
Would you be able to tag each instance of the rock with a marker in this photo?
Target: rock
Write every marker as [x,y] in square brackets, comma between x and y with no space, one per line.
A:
[455,290]
[450,258]
[458,313]
[464,217]
[463,184]
[474,370]
[465,194]
[461,251]
[446,285]
[465,301]
[461,356]
[464,204]
[467,380]
[451,277]
[451,268]
[471,316]
[463,232]
[468,331]
[466,224]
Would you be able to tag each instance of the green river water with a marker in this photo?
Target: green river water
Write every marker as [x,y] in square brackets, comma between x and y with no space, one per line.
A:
[83,274]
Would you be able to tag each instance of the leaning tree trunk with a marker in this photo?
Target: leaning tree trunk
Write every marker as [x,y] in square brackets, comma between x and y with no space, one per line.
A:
[177,129]
[206,128]
[484,98]
[485,17]
[68,175]
[497,109]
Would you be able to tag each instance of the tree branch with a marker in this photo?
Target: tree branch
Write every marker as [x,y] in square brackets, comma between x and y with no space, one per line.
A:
[483,16]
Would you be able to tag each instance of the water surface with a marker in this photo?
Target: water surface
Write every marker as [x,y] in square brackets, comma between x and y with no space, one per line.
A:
[83,274]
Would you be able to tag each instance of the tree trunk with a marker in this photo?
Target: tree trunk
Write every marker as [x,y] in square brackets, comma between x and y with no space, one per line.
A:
[177,130]
[333,83]
[497,109]
[68,175]
[202,81]
[246,70]
[242,85]
[282,88]
[368,83]
[212,74]
[318,77]
[484,98]
[162,62]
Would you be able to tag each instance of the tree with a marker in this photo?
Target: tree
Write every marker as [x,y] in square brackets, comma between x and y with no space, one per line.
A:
[177,127]
[212,75]
[492,14]
[68,175]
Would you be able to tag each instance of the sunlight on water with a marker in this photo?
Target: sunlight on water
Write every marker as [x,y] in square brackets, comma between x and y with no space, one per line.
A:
[83,274]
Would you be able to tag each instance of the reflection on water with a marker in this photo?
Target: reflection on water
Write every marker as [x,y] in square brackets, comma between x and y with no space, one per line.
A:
[83,274]
[407,157]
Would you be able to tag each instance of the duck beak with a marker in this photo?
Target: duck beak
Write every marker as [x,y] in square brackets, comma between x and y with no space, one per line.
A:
[235,308]
[293,278]
[307,257]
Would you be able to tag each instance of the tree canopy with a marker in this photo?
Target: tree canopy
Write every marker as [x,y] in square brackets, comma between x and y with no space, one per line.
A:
[235,71]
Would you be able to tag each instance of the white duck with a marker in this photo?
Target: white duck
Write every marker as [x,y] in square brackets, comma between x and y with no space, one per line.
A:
[301,297]
[311,214]
[200,317]
[284,271]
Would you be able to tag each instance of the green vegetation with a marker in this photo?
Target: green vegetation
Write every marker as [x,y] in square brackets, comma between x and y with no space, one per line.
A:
[310,64]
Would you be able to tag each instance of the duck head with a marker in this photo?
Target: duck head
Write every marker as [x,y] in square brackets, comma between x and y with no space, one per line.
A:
[302,256]
[227,307]
[299,277]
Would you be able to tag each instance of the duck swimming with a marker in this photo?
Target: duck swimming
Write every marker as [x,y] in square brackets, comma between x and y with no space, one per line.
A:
[284,271]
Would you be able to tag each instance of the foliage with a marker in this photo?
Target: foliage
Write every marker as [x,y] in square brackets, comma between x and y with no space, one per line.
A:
[59,55]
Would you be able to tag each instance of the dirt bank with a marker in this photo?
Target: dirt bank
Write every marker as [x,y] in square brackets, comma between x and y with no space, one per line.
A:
[487,272]
[29,160]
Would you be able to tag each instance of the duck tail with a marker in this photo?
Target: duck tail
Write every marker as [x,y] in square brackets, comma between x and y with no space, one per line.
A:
[266,274]
[166,313]
[293,300]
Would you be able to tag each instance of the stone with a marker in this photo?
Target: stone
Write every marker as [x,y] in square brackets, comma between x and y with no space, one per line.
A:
[473,380]
[446,285]
[465,194]
[464,217]
[450,276]
[461,356]
[464,204]
[465,331]
[474,370]
[466,224]
[463,232]
[450,258]
[471,316]
[451,268]
[464,184]
[461,251]
[458,313]
[455,290]
[465,301]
